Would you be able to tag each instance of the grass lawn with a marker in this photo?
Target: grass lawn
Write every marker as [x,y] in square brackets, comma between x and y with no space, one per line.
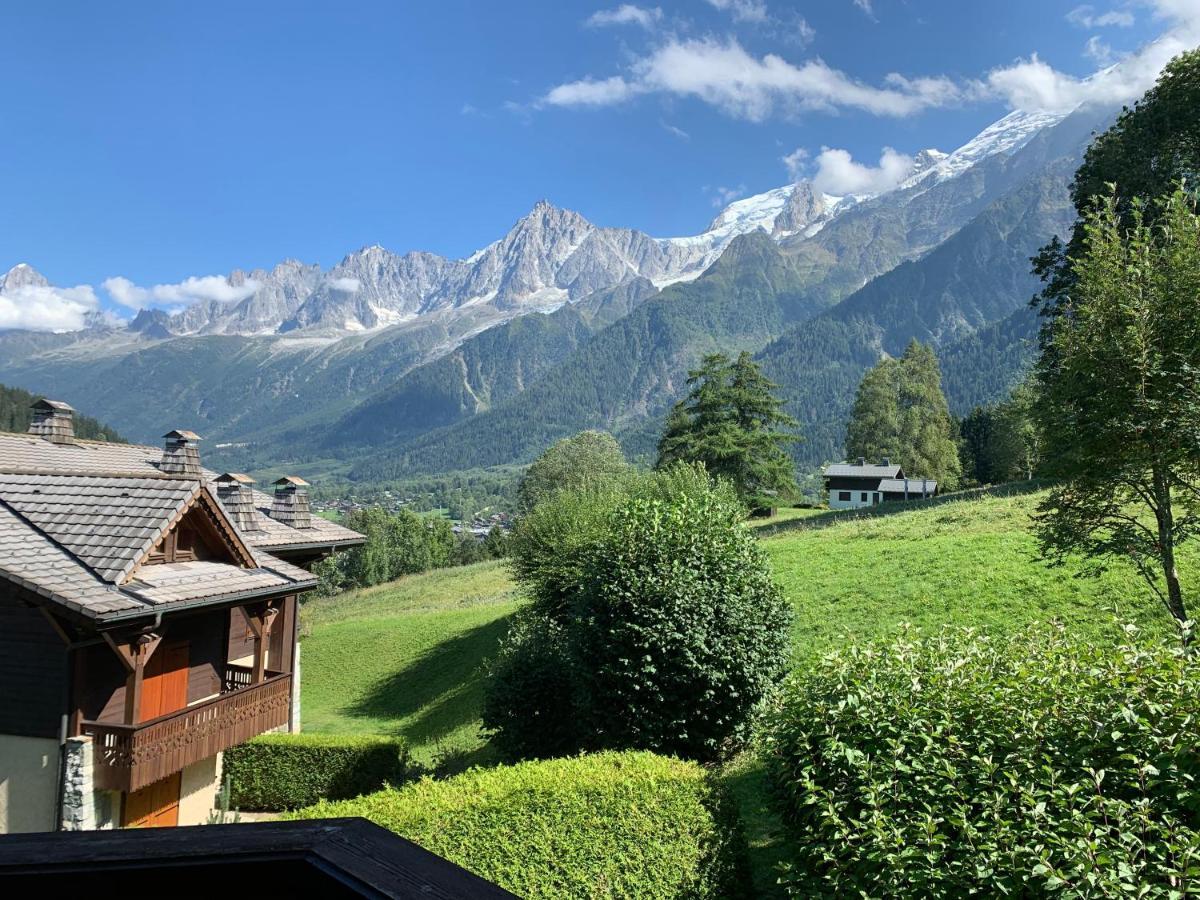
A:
[405,658]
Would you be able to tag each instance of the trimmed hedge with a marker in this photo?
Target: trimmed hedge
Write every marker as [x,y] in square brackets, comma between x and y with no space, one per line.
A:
[287,771]
[607,825]
[968,766]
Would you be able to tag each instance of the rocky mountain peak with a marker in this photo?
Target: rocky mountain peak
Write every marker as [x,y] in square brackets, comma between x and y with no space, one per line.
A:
[22,275]
[804,207]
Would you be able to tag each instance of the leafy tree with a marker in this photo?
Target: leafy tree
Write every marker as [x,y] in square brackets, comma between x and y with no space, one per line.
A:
[1001,442]
[732,422]
[901,413]
[1151,147]
[655,623]
[588,457]
[397,544]
[1120,397]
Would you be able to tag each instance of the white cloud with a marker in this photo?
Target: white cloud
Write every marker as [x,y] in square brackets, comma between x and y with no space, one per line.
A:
[625,14]
[1098,51]
[1085,16]
[865,6]
[742,85]
[675,130]
[723,196]
[803,34]
[796,163]
[590,92]
[345,285]
[743,10]
[839,174]
[46,308]
[191,290]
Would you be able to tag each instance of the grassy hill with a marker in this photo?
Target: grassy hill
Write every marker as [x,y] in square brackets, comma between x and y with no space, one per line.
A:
[406,658]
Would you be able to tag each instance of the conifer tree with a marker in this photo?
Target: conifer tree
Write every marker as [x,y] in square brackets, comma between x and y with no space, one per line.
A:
[901,413]
[732,422]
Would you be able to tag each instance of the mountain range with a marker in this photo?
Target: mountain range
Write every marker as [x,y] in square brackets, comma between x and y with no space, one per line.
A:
[389,364]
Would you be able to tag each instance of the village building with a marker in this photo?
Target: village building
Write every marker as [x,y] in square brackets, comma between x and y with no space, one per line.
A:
[859,484]
[148,622]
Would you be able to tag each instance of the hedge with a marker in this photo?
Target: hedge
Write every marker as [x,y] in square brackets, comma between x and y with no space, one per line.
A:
[287,771]
[963,765]
[607,825]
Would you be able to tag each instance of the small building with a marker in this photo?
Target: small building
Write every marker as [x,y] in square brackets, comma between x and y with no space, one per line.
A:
[148,622]
[859,484]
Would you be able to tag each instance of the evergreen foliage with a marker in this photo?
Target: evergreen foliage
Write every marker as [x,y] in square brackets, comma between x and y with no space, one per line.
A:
[901,413]
[15,416]
[607,825]
[1120,377]
[655,623]
[588,457]
[288,771]
[732,422]
[963,765]
[1002,442]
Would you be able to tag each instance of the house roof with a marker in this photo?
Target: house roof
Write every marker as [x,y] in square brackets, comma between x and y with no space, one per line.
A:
[897,485]
[850,470]
[31,454]
[78,520]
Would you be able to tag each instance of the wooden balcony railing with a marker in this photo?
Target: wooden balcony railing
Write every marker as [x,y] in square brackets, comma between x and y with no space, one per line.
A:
[129,757]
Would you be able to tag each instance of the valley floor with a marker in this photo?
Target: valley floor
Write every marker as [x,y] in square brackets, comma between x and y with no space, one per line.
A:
[407,658]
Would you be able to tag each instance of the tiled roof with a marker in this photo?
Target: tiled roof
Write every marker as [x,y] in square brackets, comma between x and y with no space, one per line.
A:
[896,485]
[849,470]
[107,523]
[23,453]
[77,520]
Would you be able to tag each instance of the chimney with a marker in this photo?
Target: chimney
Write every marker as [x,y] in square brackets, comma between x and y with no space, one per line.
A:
[181,456]
[887,461]
[291,502]
[236,494]
[52,420]
[862,461]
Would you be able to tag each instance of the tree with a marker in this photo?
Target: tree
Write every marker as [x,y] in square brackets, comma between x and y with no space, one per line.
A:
[1150,148]
[732,422]
[1001,442]
[654,622]
[901,413]
[590,456]
[1120,400]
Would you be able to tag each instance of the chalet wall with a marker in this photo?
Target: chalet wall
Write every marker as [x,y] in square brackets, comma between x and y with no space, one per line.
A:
[279,648]
[33,671]
[198,786]
[29,770]
[104,698]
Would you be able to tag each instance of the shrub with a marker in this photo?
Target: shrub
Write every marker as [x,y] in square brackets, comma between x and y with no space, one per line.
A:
[399,543]
[662,623]
[590,457]
[287,771]
[964,765]
[609,825]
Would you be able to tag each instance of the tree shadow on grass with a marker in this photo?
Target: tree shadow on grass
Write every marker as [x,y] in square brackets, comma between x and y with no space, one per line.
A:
[439,691]
[769,843]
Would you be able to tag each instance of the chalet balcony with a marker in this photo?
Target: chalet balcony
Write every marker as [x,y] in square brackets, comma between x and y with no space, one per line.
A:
[130,757]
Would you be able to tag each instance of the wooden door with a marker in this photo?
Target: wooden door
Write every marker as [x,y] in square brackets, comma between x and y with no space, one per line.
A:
[154,806]
[165,681]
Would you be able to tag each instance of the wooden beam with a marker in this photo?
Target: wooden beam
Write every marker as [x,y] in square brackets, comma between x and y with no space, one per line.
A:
[58,626]
[134,653]
[261,619]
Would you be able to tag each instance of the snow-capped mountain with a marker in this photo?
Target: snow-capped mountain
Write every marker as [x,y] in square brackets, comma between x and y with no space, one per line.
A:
[550,257]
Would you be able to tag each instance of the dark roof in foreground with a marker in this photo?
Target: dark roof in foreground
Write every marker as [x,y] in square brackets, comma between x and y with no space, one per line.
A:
[331,858]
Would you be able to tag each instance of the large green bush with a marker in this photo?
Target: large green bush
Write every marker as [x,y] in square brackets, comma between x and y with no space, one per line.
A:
[661,626]
[963,765]
[609,825]
[287,771]
[590,457]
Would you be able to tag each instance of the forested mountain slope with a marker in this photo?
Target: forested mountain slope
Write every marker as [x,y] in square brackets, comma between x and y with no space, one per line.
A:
[15,416]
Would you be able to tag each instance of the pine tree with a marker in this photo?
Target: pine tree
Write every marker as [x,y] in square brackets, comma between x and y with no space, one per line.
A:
[901,413]
[732,422]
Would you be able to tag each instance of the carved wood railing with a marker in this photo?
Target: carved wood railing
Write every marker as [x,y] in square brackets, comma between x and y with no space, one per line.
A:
[129,757]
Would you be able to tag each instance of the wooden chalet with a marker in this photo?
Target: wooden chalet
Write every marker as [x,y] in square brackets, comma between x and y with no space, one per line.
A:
[859,484]
[148,622]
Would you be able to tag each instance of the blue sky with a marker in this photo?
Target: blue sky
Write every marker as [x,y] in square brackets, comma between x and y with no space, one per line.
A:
[161,140]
